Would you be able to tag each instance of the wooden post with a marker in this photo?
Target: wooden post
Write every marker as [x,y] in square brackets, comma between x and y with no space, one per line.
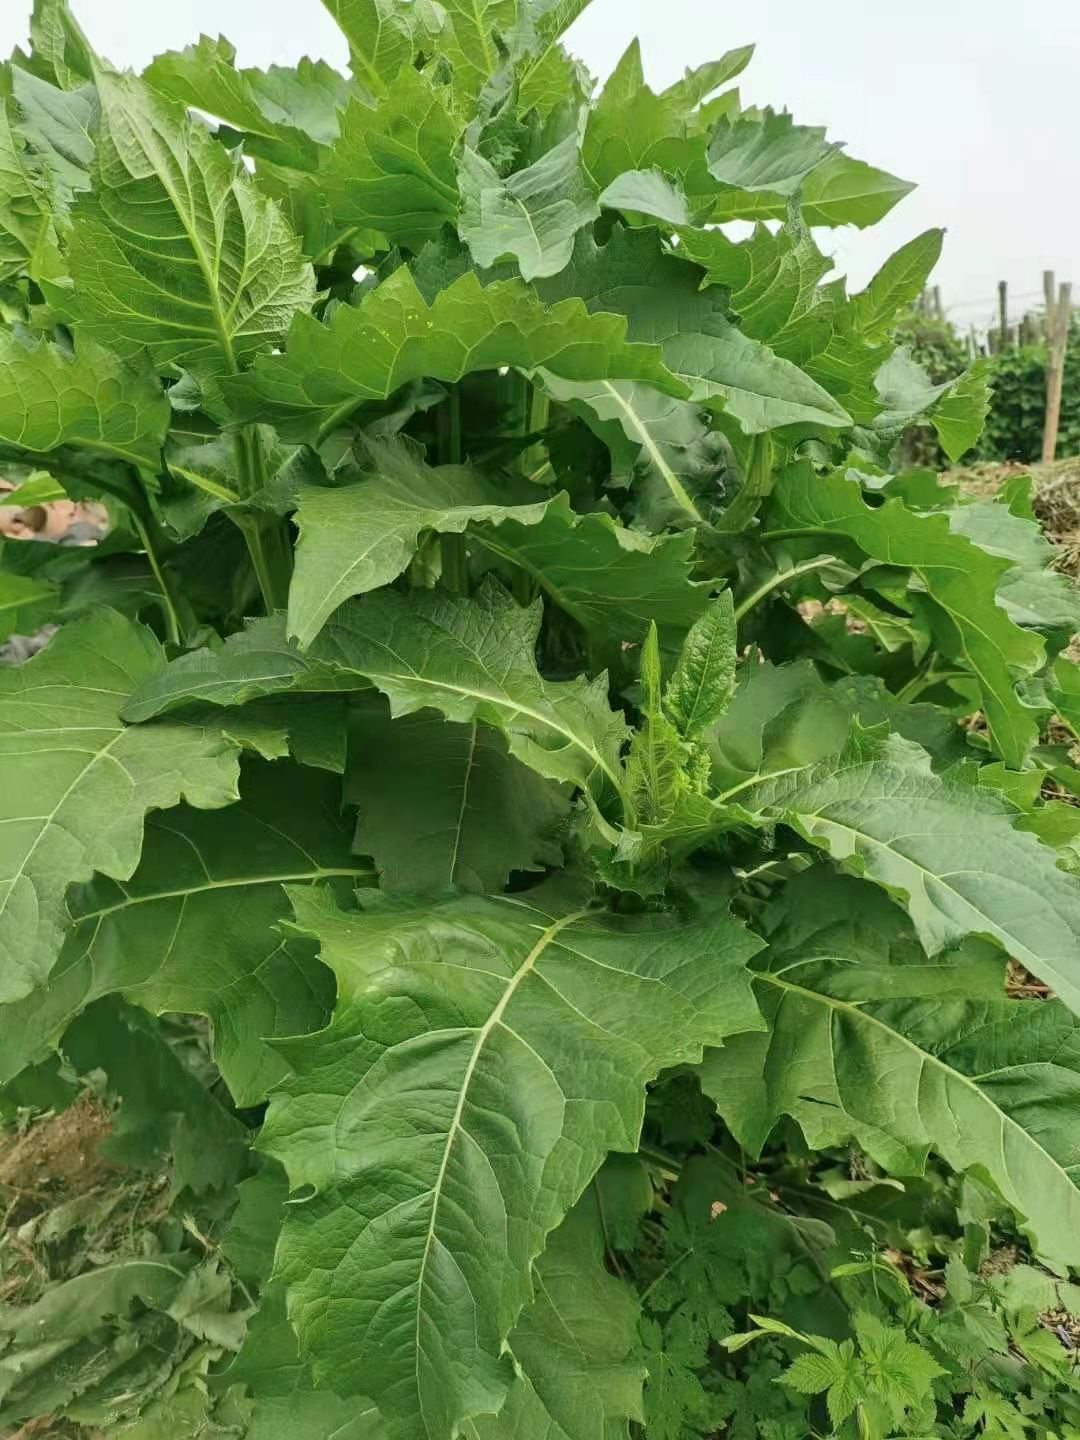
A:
[1050,298]
[939,309]
[1058,317]
[1003,314]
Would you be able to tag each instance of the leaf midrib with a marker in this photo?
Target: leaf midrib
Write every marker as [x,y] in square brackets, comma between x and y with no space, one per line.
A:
[546,937]
[312,873]
[925,1057]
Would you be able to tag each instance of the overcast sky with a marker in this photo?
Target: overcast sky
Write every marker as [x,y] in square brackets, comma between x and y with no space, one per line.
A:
[975,100]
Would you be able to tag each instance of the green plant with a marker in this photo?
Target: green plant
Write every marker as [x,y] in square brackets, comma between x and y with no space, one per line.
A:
[515,703]
[1014,425]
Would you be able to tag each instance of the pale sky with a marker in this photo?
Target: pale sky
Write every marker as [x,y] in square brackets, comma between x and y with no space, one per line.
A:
[975,100]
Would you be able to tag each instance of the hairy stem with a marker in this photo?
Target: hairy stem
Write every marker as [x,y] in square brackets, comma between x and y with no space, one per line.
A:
[452,548]
[267,540]
[152,543]
[774,582]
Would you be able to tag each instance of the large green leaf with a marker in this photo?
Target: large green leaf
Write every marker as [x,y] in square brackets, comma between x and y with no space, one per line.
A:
[254,663]
[446,1136]
[871,1042]
[659,295]
[86,397]
[357,537]
[947,850]
[392,168]
[471,659]
[474,659]
[532,214]
[839,191]
[766,152]
[959,578]
[444,806]
[661,447]
[380,36]
[80,781]
[1030,591]
[615,582]
[772,279]
[575,1346]
[26,229]
[286,1403]
[205,76]
[898,283]
[174,250]
[195,928]
[393,336]
[703,681]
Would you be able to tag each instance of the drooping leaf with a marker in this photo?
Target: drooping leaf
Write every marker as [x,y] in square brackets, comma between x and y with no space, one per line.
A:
[255,662]
[949,852]
[509,999]
[703,681]
[839,191]
[960,580]
[195,928]
[661,447]
[612,580]
[368,351]
[659,295]
[647,193]
[871,1042]
[166,1112]
[81,781]
[86,397]
[444,806]
[205,77]
[392,168]
[26,229]
[473,659]
[533,214]
[174,250]
[355,538]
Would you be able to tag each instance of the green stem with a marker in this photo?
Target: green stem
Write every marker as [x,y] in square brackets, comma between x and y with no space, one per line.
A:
[756,486]
[537,415]
[452,548]
[267,540]
[150,539]
[781,577]
[925,678]
[266,536]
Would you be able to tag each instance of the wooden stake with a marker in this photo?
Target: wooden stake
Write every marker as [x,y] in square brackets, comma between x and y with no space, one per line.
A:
[1003,312]
[1058,317]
